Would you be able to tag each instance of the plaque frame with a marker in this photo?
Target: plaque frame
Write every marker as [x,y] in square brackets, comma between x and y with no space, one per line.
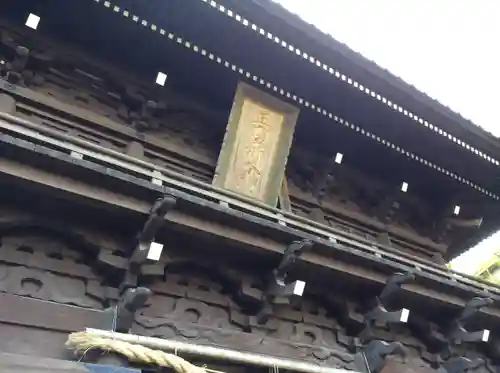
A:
[290,114]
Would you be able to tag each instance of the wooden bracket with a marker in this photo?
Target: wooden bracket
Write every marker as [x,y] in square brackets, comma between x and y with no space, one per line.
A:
[145,247]
[380,313]
[279,290]
[458,334]
[376,354]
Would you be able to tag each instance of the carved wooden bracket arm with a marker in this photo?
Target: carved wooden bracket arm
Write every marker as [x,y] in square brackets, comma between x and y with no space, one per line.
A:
[146,236]
[458,333]
[380,313]
[122,315]
[448,223]
[119,318]
[375,354]
[279,290]
[22,66]
[143,251]
[145,247]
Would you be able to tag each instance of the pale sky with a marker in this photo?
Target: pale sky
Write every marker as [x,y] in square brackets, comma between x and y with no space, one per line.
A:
[449,49]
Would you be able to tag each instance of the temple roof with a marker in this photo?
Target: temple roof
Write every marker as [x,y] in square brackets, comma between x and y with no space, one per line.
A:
[90,143]
[362,61]
[340,93]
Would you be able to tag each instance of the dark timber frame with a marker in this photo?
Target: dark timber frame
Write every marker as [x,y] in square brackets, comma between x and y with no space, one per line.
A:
[97,163]
[461,167]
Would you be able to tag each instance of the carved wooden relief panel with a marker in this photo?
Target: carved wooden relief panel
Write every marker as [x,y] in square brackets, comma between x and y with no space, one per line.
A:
[256,145]
[206,305]
[35,263]
[212,304]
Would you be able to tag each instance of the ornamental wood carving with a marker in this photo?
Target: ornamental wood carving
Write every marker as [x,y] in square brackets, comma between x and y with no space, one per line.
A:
[37,262]
[61,89]
[194,304]
[211,303]
[258,137]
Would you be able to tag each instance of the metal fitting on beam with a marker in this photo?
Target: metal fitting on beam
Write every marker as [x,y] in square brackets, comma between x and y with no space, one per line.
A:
[389,317]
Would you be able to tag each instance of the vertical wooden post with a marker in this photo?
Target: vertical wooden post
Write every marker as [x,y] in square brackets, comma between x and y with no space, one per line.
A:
[284,197]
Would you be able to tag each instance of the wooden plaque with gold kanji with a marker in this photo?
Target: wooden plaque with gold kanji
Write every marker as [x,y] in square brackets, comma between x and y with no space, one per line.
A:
[258,137]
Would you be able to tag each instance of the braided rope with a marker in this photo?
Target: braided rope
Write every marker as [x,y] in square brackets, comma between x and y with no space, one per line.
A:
[82,342]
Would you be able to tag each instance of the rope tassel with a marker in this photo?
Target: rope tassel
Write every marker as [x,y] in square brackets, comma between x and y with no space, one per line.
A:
[82,342]
[150,350]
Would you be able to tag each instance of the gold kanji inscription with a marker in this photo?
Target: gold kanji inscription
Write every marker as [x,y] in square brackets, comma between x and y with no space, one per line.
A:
[256,145]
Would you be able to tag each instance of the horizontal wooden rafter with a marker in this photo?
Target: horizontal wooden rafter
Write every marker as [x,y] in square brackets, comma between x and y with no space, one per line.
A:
[36,313]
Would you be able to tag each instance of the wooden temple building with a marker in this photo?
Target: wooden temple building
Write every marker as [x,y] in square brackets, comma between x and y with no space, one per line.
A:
[220,181]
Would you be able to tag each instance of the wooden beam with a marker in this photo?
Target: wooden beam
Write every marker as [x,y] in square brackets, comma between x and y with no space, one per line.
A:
[70,188]
[48,315]
[284,198]
[117,161]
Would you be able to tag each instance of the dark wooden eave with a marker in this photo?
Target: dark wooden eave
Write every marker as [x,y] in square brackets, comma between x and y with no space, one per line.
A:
[381,79]
[201,24]
[274,16]
[47,166]
[216,85]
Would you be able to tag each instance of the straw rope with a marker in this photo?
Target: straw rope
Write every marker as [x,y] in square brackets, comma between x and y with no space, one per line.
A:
[82,342]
